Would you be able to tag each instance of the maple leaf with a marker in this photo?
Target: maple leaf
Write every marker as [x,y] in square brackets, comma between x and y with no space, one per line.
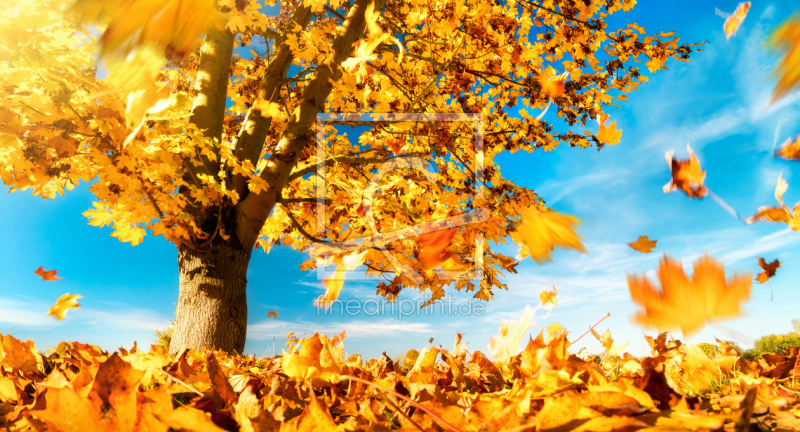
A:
[609,134]
[769,269]
[643,244]
[63,304]
[611,348]
[783,213]
[273,314]
[538,233]
[333,285]
[432,252]
[684,303]
[686,175]
[790,150]
[787,36]
[548,298]
[733,22]
[552,84]
[506,345]
[47,275]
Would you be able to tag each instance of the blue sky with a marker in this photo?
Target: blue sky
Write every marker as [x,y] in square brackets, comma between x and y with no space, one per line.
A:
[719,103]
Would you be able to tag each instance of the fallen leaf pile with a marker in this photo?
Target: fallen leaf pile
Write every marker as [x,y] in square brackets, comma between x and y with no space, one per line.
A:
[79,387]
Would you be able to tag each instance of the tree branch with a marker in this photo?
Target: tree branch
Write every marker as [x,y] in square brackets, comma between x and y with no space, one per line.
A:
[346,159]
[250,141]
[252,212]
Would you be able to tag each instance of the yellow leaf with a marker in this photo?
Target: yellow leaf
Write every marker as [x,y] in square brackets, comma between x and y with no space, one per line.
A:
[787,36]
[63,304]
[609,134]
[548,298]
[539,232]
[643,244]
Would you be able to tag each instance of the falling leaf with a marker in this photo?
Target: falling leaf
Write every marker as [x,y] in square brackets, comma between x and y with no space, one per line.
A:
[549,297]
[787,36]
[552,85]
[684,303]
[686,175]
[273,314]
[783,213]
[506,345]
[733,22]
[333,285]
[47,275]
[790,150]
[609,134]
[432,251]
[539,232]
[611,348]
[63,304]
[643,244]
[769,269]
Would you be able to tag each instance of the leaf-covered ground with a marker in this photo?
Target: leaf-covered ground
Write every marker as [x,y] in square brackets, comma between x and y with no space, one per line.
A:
[79,387]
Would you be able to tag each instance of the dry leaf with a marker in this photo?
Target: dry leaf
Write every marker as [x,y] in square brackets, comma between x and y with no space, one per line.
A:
[769,269]
[643,244]
[47,275]
[609,134]
[733,22]
[538,233]
[787,36]
[273,314]
[790,150]
[548,298]
[684,303]
[63,304]
[686,175]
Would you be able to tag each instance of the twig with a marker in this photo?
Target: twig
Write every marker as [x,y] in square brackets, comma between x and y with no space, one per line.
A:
[725,205]
[608,314]
[435,416]
[181,382]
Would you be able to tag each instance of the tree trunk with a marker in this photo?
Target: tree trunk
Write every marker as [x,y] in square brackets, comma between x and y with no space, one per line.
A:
[212,303]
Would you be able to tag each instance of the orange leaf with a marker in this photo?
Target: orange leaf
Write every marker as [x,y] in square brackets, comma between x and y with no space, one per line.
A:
[63,304]
[47,275]
[538,233]
[643,244]
[272,314]
[432,250]
[790,150]
[684,303]
[686,175]
[733,22]
[552,85]
[769,269]
[549,297]
[609,134]
[787,36]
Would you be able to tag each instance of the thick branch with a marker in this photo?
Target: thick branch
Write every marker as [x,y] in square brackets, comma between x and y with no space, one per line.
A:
[250,141]
[213,73]
[255,208]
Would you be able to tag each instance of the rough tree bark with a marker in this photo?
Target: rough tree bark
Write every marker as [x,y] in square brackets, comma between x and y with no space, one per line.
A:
[212,304]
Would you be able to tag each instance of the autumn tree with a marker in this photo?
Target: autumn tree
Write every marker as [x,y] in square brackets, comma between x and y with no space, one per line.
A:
[205,129]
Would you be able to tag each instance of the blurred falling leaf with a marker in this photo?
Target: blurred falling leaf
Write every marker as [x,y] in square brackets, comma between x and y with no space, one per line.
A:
[432,252]
[549,297]
[611,348]
[538,233]
[643,244]
[783,213]
[733,22]
[506,345]
[273,314]
[552,85]
[684,303]
[47,275]
[790,150]
[787,36]
[609,134]
[63,304]
[333,285]
[769,269]
[686,175]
